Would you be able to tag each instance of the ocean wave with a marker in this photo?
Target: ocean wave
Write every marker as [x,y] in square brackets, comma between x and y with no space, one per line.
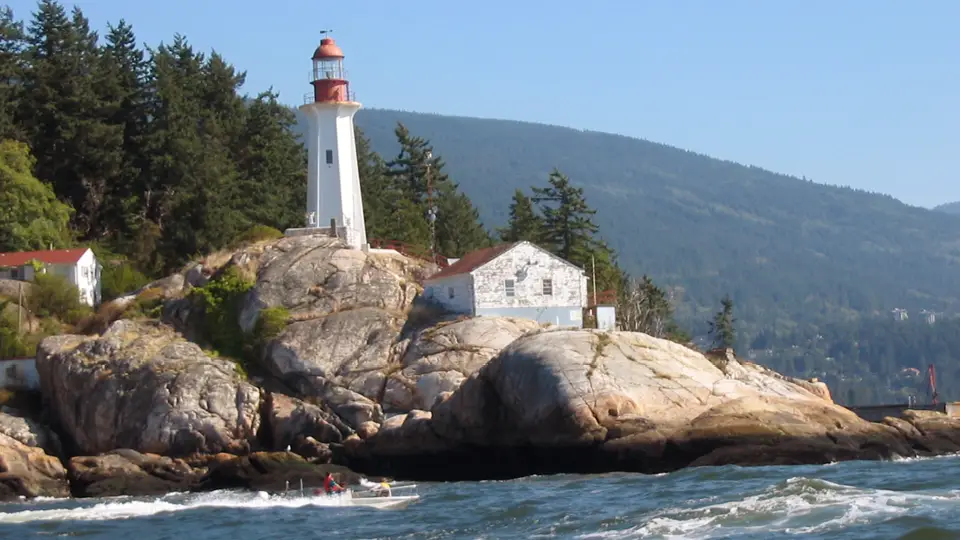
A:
[798,505]
[112,510]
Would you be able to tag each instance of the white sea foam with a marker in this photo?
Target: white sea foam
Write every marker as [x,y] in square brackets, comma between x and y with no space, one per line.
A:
[795,506]
[114,509]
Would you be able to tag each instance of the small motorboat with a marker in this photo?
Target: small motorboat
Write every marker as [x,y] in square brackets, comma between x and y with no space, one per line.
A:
[376,495]
[394,496]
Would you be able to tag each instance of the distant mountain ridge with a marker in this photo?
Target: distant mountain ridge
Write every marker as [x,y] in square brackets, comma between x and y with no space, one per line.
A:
[949,208]
[786,250]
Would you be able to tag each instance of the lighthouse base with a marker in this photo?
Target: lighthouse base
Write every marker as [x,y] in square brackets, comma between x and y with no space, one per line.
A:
[347,235]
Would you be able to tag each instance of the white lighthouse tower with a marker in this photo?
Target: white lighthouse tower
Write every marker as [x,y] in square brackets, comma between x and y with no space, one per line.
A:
[333,179]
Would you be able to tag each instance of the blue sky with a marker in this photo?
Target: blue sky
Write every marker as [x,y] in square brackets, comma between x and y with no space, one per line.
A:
[855,92]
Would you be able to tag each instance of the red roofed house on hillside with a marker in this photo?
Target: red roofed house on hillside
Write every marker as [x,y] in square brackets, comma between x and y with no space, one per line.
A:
[519,279]
[78,266]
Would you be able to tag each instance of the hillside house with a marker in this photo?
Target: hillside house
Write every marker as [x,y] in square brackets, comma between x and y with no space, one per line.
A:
[512,280]
[78,266]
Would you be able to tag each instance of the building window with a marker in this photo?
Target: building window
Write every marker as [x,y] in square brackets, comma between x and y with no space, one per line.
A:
[329,157]
[508,287]
[450,292]
[14,273]
[548,287]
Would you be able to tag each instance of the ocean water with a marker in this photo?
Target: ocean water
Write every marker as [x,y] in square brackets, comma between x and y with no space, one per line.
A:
[911,499]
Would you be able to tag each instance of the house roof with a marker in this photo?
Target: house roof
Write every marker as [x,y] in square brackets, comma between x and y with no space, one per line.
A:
[473,260]
[57,256]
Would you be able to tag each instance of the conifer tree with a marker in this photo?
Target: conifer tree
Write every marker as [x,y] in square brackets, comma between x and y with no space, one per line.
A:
[722,326]
[376,187]
[458,227]
[11,72]
[524,223]
[272,165]
[567,220]
[122,86]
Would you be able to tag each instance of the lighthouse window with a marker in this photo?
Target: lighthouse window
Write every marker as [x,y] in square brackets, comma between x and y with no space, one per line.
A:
[329,157]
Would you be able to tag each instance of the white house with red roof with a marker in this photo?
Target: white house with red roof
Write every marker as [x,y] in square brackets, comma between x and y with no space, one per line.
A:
[78,266]
[518,279]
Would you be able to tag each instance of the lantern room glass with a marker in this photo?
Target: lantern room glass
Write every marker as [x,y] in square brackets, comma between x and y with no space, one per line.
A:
[328,68]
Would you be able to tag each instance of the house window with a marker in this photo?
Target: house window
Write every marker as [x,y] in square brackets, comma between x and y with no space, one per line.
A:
[14,273]
[329,157]
[508,287]
[450,292]
[548,287]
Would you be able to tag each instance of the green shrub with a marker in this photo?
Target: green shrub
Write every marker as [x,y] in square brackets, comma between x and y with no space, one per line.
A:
[54,296]
[220,300]
[118,279]
[270,323]
[257,233]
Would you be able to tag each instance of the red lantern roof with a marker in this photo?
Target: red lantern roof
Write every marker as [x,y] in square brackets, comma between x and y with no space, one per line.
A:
[327,49]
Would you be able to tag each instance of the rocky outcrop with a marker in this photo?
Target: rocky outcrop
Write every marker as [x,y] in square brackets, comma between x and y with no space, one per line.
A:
[291,421]
[27,471]
[30,433]
[439,358]
[142,386]
[348,309]
[128,472]
[591,401]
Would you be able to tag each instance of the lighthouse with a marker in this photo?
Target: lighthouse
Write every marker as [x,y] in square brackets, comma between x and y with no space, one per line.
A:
[334,202]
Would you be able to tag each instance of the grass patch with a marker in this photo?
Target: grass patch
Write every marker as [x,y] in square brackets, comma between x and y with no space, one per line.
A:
[603,339]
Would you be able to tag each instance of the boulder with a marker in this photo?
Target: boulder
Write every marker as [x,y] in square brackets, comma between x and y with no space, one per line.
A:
[348,307]
[30,433]
[128,472]
[11,288]
[594,401]
[439,358]
[289,420]
[142,386]
[27,471]
[316,275]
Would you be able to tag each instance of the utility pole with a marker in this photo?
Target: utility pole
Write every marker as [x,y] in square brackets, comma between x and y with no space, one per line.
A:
[431,208]
[593,263]
[20,308]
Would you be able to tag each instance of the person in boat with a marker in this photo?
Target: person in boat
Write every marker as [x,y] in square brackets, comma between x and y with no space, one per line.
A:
[330,486]
[383,490]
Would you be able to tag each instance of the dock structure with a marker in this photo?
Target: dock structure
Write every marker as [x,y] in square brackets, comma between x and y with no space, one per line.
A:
[876,413]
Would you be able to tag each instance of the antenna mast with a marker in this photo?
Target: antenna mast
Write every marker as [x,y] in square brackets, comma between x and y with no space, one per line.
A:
[431,208]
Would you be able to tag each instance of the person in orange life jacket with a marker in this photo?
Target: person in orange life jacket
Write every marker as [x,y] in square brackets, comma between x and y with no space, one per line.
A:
[330,485]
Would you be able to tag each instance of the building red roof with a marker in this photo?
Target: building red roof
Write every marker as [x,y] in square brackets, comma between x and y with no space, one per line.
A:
[473,260]
[57,256]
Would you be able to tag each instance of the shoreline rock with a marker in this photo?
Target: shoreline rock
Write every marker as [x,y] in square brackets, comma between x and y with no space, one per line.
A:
[581,401]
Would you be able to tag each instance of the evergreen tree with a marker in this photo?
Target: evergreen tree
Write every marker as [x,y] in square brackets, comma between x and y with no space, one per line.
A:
[524,223]
[722,326]
[11,72]
[122,87]
[377,189]
[272,165]
[568,226]
[458,228]
[62,112]
[31,217]
[569,231]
